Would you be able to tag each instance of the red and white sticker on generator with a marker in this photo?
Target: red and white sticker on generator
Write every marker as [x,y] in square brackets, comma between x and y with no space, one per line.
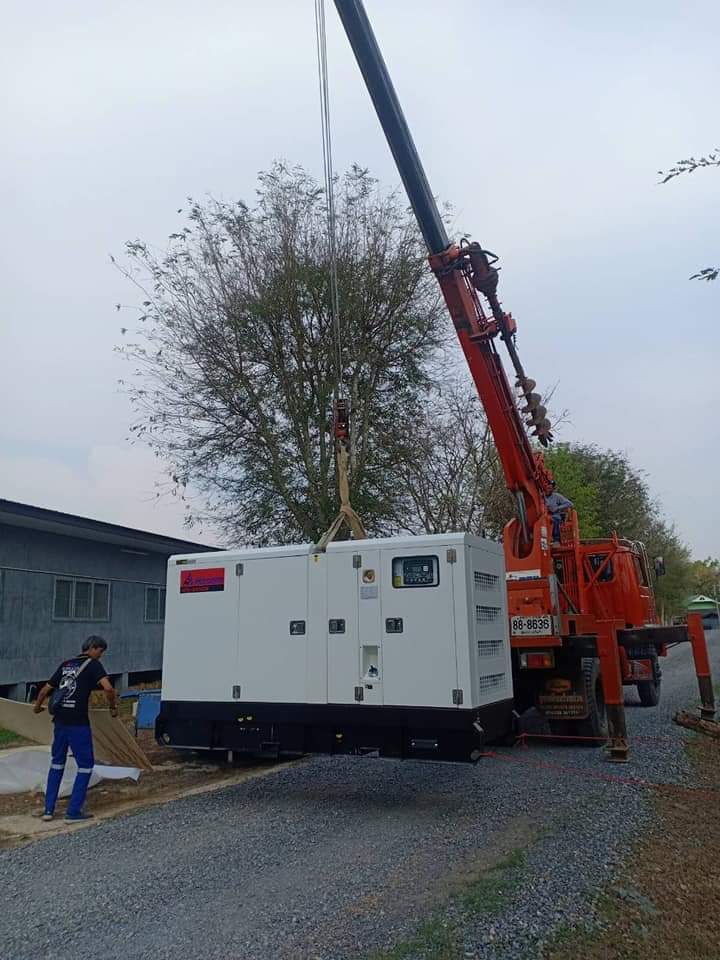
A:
[202,581]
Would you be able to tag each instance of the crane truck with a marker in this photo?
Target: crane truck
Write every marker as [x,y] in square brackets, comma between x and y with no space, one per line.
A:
[582,615]
[422,647]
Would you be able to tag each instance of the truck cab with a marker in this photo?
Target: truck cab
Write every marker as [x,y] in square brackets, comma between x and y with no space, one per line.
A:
[617,575]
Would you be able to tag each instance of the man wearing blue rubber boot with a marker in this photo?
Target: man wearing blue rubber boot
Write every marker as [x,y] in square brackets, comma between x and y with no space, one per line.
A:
[75,679]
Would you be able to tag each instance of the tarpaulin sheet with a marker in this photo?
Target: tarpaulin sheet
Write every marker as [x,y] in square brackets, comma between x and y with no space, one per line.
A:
[26,768]
[112,741]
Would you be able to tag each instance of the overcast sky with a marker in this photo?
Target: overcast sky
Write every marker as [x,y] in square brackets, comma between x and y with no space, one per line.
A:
[544,124]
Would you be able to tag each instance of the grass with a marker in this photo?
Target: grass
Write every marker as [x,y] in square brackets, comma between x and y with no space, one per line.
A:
[434,940]
[440,938]
[10,739]
[489,892]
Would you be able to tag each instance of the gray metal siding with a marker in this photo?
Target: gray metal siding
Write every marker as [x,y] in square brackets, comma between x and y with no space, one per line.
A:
[32,644]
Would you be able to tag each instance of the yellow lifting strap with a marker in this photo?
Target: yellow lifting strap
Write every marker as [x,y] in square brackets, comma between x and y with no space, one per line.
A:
[342,463]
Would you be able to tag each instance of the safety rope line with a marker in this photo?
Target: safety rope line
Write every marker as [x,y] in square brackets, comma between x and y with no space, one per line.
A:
[329,176]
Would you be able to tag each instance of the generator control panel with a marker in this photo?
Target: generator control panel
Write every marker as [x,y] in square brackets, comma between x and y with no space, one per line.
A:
[415,571]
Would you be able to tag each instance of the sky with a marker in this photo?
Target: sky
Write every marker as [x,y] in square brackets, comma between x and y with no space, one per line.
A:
[544,125]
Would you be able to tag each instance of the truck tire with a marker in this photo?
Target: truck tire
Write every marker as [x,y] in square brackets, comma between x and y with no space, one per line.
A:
[594,727]
[649,690]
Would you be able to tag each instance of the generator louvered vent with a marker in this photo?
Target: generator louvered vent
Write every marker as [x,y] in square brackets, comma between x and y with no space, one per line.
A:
[489,648]
[492,681]
[486,614]
[485,581]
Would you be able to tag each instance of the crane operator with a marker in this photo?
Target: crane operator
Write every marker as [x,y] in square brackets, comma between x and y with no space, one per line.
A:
[558,505]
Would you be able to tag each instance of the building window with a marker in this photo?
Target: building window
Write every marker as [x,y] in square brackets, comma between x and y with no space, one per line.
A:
[154,604]
[81,600]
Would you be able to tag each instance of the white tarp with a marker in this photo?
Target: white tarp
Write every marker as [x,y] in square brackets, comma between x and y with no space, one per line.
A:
[25,769]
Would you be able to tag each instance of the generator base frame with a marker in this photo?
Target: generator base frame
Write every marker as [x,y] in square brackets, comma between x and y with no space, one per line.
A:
[271,729]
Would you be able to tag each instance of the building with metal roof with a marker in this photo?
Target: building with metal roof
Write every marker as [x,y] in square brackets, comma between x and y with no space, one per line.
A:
[64,577]
[709,607]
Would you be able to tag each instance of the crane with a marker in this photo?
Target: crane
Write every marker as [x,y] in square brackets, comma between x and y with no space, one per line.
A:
[582,616]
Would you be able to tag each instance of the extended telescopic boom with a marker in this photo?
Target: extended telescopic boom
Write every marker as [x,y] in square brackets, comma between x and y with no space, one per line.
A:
[377,79]
[462,271]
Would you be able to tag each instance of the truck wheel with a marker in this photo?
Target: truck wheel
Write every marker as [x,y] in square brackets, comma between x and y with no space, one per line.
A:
[649,690]
[594,727]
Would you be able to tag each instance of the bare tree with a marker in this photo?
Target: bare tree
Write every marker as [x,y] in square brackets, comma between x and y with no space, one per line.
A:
[690,166]
[453,479]
[236,363]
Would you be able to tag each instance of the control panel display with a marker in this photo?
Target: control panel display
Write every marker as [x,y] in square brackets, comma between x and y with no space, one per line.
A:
[415,572]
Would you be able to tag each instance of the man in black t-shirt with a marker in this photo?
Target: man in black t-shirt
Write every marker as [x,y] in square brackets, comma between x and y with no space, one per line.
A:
[76,678]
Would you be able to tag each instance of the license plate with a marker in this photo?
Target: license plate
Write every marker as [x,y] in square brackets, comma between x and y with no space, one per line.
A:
[531,626]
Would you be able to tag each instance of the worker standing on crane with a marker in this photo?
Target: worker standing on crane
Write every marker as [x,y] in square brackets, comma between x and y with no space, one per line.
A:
[557,505]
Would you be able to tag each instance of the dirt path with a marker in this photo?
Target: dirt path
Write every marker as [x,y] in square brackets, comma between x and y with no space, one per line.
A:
[174,775]
[665,903]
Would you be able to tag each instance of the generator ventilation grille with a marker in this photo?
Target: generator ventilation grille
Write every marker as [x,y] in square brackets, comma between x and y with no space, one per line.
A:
[490,648]
[486,614]
[485,581]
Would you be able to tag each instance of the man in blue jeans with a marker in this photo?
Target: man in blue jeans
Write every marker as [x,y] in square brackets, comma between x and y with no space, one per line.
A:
[77,677]
[558,505]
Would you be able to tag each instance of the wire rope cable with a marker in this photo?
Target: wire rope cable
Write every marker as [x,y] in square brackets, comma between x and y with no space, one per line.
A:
[329,177]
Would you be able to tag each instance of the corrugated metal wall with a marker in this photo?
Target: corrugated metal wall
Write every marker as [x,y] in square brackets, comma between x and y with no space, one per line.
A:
[32,643]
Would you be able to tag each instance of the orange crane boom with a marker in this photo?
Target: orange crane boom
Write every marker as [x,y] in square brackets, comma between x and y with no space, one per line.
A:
[582,614]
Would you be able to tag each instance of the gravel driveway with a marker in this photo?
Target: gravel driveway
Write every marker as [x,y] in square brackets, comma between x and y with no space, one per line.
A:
[334,858]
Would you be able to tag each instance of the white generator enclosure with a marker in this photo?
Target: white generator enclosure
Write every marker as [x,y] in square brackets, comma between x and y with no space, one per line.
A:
[399,646]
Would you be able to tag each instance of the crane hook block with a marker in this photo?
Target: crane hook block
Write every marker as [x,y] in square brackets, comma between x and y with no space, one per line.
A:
[342,420]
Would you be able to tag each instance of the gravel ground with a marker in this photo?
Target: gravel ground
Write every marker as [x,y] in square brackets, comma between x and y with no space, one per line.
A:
[333,858]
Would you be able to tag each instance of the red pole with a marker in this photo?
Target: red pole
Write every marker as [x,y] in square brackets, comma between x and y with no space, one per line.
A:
[702,665]
[609,654]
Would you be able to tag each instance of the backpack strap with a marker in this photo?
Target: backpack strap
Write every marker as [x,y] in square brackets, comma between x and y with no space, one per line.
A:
[82,666]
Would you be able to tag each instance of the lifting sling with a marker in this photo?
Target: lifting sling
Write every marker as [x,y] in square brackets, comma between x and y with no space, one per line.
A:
[342,461]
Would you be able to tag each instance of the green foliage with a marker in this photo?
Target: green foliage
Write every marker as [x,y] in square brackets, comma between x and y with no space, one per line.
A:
[705,577]
[618,499]
[672,590]
[619,495]
[573,482]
